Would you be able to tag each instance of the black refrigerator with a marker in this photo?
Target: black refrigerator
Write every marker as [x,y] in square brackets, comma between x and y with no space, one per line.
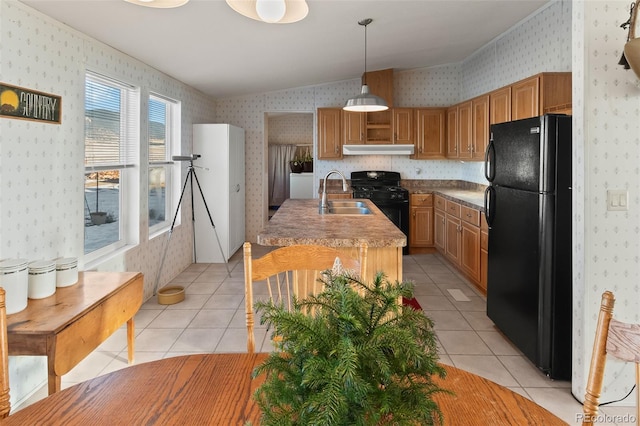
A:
[528,210]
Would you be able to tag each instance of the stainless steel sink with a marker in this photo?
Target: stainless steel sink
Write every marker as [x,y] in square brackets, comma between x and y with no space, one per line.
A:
[349,210]
[347,203]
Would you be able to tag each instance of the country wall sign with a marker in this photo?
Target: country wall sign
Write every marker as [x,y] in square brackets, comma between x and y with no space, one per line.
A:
[26,104]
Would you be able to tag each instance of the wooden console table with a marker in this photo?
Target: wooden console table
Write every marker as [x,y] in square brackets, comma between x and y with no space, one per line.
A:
[70,324]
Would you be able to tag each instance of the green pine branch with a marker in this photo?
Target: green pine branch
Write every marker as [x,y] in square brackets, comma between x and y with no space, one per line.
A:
[351,355]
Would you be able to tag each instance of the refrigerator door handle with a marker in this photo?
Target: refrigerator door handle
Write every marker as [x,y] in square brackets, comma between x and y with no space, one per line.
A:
[489,157]
[489,204]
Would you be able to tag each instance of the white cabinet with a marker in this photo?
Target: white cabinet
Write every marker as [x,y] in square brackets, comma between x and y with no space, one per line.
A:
[220,172]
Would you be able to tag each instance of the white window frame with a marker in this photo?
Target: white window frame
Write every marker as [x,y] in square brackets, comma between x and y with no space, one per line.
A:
[129,185]
[173,125]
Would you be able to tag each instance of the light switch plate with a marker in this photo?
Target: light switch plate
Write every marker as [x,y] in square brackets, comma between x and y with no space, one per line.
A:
[617,200]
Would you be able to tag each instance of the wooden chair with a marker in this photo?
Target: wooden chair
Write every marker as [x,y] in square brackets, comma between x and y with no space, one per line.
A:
[5,404]
[288,271]
[615,338]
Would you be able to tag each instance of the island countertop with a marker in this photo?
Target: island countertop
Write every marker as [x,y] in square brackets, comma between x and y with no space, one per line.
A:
[298,222]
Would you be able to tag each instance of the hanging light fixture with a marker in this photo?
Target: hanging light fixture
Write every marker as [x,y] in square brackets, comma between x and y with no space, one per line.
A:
[365,101]
[271,11]
[159,4]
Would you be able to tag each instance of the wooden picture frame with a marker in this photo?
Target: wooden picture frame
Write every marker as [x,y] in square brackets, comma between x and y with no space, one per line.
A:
[26,104]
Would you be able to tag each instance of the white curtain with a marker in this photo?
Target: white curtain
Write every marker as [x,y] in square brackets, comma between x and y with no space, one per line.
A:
[279,157]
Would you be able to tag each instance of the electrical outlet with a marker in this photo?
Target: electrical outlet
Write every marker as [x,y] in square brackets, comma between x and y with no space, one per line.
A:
[617,200]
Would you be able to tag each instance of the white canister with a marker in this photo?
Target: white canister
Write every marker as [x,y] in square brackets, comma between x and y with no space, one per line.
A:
[42,279]
[66,271]
[14,278]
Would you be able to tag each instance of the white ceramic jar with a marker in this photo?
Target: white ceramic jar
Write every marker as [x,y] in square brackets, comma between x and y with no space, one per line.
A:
[66,271]
[14,279]
[42,279]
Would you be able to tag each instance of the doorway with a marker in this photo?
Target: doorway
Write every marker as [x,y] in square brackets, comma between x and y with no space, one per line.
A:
[289,137]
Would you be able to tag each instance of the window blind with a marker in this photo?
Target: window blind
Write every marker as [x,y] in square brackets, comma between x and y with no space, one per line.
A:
[159,110]
[111,122]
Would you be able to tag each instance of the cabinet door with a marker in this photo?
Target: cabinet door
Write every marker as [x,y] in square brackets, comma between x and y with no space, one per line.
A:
[380,84]
[421,227]
[452,132]
[470,250]
[525,96]
[439,223]
[403,128]
[329,138]
[480,138]
[500,105]
[430,133]
[484,252]
[353,127]
[465,129]
[453,235]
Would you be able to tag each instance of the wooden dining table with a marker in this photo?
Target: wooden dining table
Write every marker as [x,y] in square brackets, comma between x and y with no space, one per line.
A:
[217,389]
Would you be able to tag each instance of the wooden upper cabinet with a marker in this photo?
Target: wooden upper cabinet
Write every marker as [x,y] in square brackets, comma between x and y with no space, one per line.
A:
[525,99]
[480,139]
[329,133]
[452,132]
[465,129]
[430,133]
[541,94]
[353,127]
[403,126]
[380,84]
[500,105]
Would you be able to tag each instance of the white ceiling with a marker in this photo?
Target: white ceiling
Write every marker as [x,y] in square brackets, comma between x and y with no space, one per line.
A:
[207,45]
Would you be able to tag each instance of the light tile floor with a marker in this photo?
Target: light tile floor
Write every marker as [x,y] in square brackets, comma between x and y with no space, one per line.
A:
[211,319]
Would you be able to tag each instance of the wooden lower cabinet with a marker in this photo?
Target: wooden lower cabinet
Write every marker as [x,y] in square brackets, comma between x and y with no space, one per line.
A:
[460,237]
[339,196]
[470,250]
[420,220]
[439,237]
[484,252]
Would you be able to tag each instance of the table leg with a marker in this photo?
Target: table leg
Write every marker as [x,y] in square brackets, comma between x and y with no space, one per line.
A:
[130,340]
[53,380]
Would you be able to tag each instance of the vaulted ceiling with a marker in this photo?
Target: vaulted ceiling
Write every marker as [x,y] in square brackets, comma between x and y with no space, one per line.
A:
[207,45]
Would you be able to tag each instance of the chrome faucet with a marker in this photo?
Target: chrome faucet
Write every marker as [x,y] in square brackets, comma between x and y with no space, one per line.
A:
[324,206]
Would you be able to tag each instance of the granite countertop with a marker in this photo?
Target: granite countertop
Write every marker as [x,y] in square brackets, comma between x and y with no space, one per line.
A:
[298,222]
[465,193]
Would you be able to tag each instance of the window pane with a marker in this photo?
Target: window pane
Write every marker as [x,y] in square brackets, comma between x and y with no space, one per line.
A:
[158,209]
[102,209]
[157,130]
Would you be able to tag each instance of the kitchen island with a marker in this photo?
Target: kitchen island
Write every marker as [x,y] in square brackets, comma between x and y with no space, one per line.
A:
[298,222]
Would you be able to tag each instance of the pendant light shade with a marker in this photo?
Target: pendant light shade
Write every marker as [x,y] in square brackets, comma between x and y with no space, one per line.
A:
[365,101]
[159,4]
[271,11]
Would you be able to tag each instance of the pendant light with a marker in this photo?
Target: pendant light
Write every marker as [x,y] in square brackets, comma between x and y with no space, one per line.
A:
[271,11]
[365,101]
[159,4]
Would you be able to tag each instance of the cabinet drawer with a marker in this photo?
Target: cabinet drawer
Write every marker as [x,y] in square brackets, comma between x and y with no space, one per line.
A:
[440,202]
[421,200]
[453,208]
[470,215]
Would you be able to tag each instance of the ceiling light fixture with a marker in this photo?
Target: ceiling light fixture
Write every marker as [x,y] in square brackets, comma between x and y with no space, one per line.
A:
[365,101]
[159,4]
[271,11]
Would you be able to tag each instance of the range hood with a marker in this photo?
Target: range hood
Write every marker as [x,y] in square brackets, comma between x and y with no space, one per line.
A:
[386,149]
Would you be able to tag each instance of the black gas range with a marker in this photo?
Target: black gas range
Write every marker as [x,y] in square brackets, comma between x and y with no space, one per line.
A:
[384,190]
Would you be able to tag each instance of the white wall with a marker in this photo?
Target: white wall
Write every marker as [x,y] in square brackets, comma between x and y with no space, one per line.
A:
[42,165]
[606,116]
